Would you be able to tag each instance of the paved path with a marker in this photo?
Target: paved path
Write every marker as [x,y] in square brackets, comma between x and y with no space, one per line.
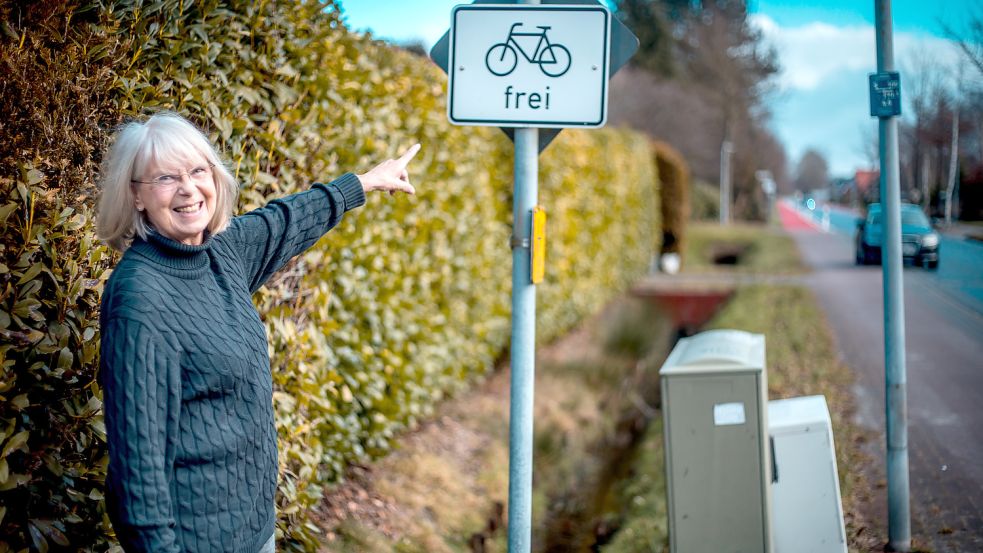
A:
[944,353]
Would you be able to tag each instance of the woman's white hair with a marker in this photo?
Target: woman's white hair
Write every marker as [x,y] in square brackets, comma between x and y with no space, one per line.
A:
[164,138]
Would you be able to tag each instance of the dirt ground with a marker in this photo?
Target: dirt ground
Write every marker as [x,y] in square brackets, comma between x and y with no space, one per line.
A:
[462,451]
[358,499]
[456,441]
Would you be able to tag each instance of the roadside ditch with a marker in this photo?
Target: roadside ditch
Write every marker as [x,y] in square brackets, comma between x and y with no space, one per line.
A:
[445,489]
[598,475]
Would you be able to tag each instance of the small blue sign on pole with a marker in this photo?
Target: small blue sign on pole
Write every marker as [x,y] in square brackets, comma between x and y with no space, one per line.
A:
[885,94]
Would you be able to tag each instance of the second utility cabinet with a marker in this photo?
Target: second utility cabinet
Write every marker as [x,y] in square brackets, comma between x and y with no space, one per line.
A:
[718,471]
[808,515]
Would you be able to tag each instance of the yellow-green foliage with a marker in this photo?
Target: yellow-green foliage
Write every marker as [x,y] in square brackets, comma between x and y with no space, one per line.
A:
[403,304]
[674,195]
[601,180]
[704,201]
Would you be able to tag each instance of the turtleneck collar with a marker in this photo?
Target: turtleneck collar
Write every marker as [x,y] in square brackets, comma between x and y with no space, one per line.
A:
[172,254]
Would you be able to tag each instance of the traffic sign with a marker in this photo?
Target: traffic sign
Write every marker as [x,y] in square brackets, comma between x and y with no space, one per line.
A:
[885,94]
[529,65]
[529,68]
[624,44]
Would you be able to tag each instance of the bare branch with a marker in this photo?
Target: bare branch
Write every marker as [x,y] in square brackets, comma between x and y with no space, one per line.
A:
[970,43]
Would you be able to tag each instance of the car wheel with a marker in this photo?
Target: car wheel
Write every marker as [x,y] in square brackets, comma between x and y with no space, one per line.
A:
[864,255]
[933,265]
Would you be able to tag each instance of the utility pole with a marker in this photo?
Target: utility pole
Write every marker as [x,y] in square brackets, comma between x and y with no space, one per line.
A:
[896,381]
[726,149]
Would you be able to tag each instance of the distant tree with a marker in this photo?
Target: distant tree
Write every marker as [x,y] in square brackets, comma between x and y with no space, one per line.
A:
[650,22]
[926,131]
[672,110]
[972,146]
[414,46]
[970,38]
[709,91]
[941,132]
[726,57]
[966,136]
[869,143]
[770,155]
[812,172]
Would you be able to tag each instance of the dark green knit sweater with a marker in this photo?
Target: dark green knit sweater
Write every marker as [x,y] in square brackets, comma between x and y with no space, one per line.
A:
[186,378]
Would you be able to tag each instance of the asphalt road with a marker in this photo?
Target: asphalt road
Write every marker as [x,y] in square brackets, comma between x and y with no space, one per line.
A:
[944,359]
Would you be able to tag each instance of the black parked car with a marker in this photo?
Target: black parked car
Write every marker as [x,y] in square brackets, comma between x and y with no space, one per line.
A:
[919,243]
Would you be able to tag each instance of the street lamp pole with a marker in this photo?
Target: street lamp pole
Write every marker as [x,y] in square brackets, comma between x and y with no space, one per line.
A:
[896,382]
[726,149]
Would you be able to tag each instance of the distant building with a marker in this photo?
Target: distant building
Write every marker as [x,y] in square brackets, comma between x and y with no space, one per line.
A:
[841,190]
[860,189]
[867,182]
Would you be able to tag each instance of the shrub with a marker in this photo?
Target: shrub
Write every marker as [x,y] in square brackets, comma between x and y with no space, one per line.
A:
[705,203]
[54,79]
[405,303]
[674,195]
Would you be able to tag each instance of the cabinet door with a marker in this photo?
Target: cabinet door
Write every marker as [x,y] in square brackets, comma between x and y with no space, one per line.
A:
[715,463]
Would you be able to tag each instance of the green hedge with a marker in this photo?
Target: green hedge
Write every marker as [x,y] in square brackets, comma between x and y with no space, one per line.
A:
[704,202]
[405,303]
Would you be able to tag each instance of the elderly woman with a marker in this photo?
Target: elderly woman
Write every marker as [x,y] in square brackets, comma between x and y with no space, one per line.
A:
[187,389]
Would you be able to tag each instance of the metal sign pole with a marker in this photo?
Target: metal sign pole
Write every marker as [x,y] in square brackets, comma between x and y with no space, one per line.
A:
[525,197]
[896,382]
[596,47]
[523,341]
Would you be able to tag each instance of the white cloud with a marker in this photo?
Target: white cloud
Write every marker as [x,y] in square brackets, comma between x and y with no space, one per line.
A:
[813,53]
[822,98]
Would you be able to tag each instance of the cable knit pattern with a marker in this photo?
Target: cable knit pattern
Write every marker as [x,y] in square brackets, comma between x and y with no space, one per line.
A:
[186,378]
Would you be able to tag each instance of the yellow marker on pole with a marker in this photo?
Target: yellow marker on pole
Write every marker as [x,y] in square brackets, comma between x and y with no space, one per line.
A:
[538,244]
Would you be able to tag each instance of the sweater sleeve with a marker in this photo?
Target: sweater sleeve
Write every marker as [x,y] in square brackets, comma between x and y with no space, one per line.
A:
[267,238]
[141,399]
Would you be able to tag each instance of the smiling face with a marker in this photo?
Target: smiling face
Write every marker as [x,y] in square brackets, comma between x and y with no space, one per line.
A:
[181,204]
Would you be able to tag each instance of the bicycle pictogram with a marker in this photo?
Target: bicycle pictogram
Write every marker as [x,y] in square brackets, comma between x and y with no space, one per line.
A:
[553,59]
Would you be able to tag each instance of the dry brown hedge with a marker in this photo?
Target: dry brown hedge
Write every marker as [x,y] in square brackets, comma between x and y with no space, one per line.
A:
[674,189]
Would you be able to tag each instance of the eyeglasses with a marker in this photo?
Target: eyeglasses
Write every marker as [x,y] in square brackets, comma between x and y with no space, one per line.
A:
[197,174]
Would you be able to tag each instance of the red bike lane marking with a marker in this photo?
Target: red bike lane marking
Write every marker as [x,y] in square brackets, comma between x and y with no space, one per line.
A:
[793,220]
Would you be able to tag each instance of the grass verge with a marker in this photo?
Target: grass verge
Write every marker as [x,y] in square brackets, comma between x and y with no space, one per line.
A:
[801,360]
[751,248]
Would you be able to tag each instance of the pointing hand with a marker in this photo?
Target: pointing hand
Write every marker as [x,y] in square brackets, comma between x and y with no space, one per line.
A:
[391,175]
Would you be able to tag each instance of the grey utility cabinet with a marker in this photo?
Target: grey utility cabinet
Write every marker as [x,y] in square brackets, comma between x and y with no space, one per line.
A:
[808,515]
[718,470]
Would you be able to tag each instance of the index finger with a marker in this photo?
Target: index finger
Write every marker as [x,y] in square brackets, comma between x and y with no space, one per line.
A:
[406,157]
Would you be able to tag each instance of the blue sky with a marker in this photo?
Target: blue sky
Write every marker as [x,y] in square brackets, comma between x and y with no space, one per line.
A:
[825,47]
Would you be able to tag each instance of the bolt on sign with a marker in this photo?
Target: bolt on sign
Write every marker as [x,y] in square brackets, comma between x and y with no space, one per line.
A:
[529,65]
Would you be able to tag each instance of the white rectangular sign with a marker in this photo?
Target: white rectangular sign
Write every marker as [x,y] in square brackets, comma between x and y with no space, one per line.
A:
[529,65]
[727,414]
